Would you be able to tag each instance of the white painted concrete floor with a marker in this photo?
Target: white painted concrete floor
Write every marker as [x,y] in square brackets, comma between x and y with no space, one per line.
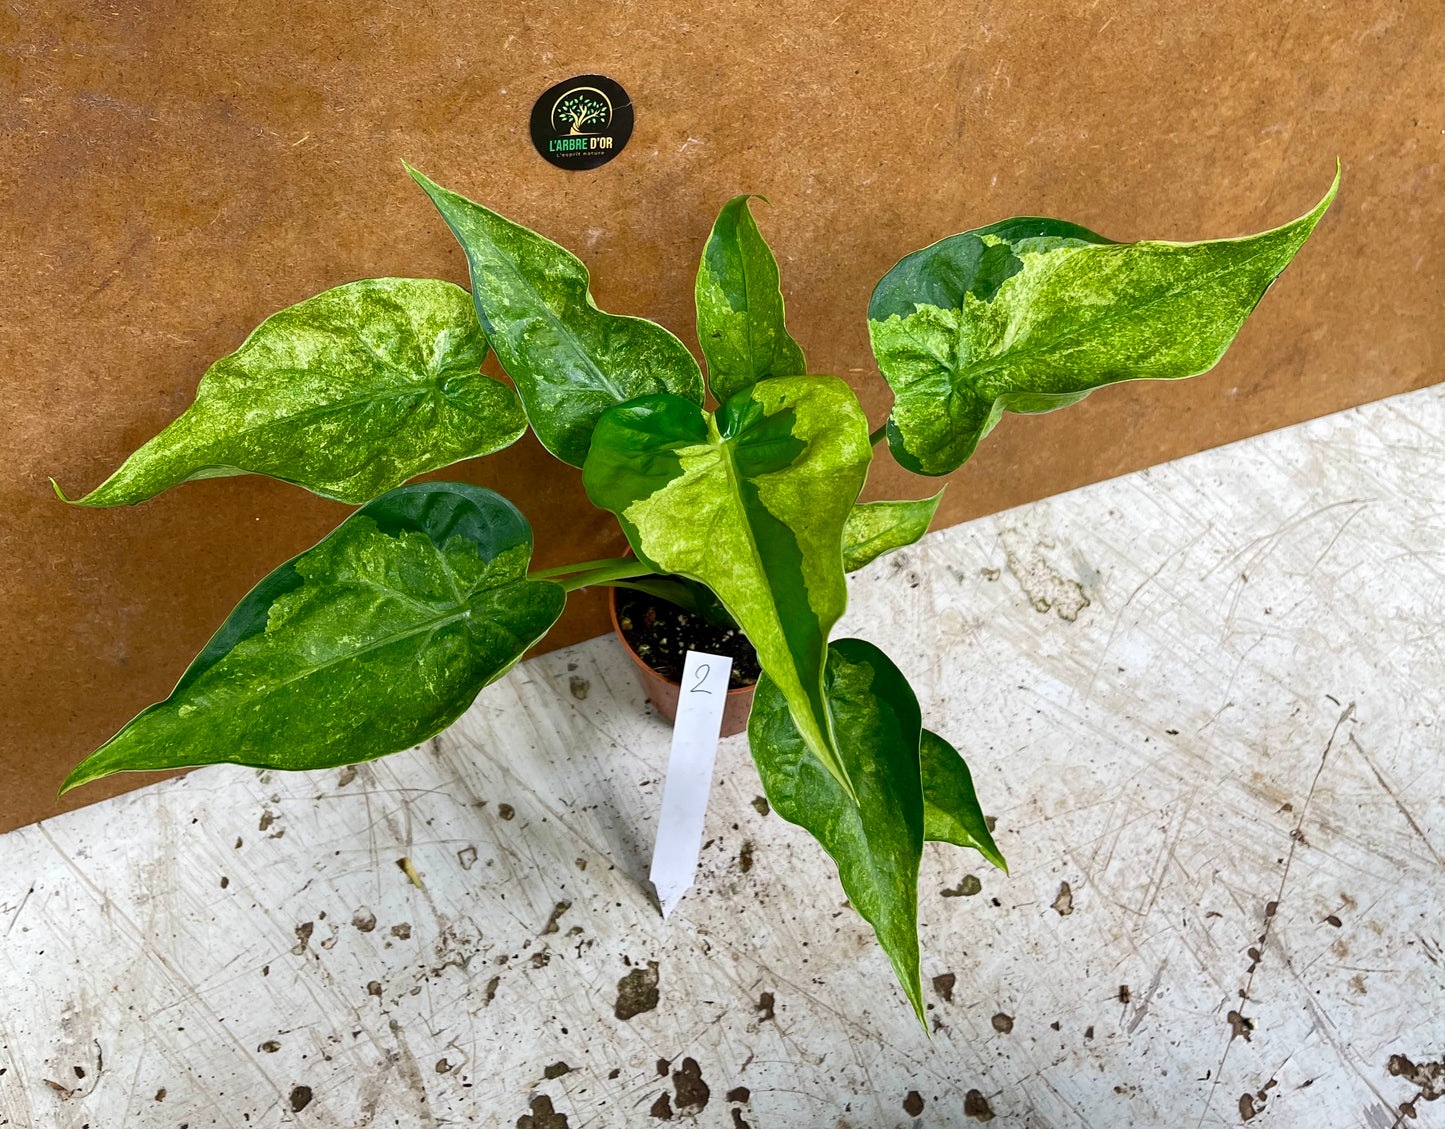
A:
[1207,697]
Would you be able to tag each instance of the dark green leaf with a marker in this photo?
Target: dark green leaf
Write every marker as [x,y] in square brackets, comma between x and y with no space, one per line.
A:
[950,809]
[1031,315]
[373,641]
[878,841]
[348,394]
[739,307]
[752,503]
[569,360]
[875,528]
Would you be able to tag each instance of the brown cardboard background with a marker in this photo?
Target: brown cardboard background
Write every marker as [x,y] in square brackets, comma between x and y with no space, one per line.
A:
[172,173]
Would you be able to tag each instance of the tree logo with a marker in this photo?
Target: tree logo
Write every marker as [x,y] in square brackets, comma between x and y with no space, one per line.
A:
[583,122]
[582,109]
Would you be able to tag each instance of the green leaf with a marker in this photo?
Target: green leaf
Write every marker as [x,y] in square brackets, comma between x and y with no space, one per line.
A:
[373,641]
[739,307]
[876,842]
[569,360]
[875,528]
[1030,315]
[348,394]
[950,808]
[752,503]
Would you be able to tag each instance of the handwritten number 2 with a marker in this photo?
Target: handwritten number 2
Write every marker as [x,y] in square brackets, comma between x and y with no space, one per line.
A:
[701,678]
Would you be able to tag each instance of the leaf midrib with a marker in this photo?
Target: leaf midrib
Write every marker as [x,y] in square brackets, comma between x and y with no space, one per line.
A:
[1111,314]
[971,373]
[429,628]
[321,411]
[567,335]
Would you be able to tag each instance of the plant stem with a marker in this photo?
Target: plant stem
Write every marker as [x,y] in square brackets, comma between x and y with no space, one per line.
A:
[621,570]
[878,436]
[583,566]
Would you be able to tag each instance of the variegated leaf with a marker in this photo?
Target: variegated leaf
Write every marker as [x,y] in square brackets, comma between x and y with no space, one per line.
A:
[1029,315]
[875,528]
[373,641]
[569,360]
[739,307]
[348,394]
[752,503]
[950,807]
[877,839]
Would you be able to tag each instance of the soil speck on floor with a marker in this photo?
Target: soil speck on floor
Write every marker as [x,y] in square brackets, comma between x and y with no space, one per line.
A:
[692,1092]
[637,992]
[745,856]
[557,911]
[543,1115]
[976,1106]
[1430,1077]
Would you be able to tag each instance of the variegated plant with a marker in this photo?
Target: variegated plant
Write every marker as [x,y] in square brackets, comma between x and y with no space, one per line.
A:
[383,634]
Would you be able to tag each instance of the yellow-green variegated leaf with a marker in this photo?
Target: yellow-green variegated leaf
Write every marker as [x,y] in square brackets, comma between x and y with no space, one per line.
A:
[739,307]
[348,394]
[1029,315]
[373,641]
[752,503]
[950,807]
[875,528]
[877,838]
[569,360]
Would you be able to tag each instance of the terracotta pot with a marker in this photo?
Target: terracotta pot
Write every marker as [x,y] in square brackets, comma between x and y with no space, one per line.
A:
[663,692]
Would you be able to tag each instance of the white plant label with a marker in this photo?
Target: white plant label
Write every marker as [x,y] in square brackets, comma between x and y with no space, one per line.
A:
[689,775]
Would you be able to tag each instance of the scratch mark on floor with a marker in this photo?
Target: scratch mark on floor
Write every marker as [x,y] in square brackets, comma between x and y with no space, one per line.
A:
[1295,838]
[16,915]
[1410,819]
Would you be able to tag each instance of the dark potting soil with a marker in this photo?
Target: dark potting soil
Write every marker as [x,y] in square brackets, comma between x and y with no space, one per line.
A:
[662,633]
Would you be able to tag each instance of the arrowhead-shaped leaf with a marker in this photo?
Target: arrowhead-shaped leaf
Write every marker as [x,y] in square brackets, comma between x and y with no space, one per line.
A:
[950,808]
[348,394]
[739,307]
[875,528]
[1029,315]
[876,842]
[752,503]
[569,360]
[371,642]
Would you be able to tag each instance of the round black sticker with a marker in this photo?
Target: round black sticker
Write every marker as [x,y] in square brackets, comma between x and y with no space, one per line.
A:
[583,122]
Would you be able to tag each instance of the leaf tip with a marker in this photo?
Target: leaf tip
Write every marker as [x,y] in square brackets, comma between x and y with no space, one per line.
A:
[76,778]
[59,493]
[914,992]
[1334,184]
[427,185]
